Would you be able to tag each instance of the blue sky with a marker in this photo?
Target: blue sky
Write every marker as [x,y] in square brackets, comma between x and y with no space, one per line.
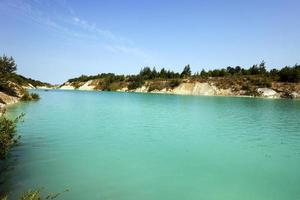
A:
[54,40]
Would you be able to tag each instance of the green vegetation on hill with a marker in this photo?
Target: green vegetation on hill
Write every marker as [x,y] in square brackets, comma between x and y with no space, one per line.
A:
[10,82]
[256,75]
[286,74]
[21,80]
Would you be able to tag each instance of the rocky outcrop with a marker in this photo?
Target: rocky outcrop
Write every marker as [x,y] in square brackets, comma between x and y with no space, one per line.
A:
[295,95]
[17,91]
[142,89]
[28,86]
[125,89]
[87,86]
[267,93]
[197,88]
[6,99]
[81,86]
[163,91]
[67,86]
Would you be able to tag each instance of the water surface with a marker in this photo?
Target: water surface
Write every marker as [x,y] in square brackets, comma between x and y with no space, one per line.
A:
[125,146]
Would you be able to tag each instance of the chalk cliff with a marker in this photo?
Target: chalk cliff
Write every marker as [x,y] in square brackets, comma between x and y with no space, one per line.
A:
[209,88]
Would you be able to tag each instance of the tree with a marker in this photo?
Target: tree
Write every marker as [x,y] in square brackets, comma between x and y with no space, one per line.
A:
[290,74]
[186,72]
[7,65]
[154,73]
[146,73]
[274,74]
[203,73]
[223,72]
[253,70]
[237,69]
[262,67]
[163,73]
[230,70]
[215,73]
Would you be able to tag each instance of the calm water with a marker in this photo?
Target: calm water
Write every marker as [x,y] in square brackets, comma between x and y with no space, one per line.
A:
[121,146]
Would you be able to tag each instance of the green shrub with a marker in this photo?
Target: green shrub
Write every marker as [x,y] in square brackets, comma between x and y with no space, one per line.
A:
[156,86]
[290,74]
[105,84]
[174,83]
[8,136]
[26,97]
[245,87]
[115,86]
[4,198]
[31,195]
[135,84]
[30,96]
[76,85]
[35,96]
[261,82]
[36,195]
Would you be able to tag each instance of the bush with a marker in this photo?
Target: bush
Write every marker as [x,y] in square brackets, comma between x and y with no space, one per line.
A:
[261,82]
[134,85]
[290,74]
[115,86]
[26,97]
[76,85]
[108,84]
[245,87]
[31,195]
[174,83]
[156,86]
[30,97]
[4,198]
[35,96]
[8,136]
[36,195]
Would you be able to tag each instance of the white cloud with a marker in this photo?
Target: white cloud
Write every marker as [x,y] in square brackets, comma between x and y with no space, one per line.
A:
[128,50]
[94,29]
[65,21]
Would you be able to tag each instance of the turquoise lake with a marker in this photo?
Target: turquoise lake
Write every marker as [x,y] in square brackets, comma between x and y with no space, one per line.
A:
[128,146]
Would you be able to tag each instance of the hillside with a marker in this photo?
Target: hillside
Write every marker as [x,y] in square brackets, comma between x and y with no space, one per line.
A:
[13,86]
[255,82]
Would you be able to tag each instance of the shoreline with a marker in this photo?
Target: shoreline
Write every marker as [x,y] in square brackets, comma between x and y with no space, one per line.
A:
[196,89]
[159,93]
[7,100]
[10,100]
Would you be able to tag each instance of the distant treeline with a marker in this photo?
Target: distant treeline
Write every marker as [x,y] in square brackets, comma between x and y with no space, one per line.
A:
[286,74]
[22,80]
